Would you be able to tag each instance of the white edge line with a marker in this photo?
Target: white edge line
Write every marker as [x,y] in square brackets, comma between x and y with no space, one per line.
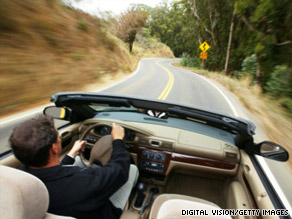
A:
[275,184]
[227,100]
[20,117]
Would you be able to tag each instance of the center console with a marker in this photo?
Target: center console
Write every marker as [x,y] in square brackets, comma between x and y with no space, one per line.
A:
[153,161]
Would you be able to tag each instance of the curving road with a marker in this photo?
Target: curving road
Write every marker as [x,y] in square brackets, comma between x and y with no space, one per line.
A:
[157,78]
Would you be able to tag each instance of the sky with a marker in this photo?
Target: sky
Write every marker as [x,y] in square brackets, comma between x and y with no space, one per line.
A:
[116,6]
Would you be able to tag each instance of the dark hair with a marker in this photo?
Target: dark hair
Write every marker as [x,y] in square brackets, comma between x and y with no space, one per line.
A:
[31,141]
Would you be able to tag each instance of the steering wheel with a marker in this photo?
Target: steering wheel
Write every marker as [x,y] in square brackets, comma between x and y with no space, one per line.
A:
[101,150]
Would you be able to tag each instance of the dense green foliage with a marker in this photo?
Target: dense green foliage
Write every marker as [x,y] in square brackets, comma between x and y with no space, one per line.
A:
[259,32]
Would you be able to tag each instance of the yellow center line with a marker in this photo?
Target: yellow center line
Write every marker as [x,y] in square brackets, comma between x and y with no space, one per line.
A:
[169,85]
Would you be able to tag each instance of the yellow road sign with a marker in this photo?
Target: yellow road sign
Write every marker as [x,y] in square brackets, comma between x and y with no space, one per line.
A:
[203,55]
[204,46]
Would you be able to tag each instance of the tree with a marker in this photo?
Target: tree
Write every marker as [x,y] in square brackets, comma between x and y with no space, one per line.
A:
[269,25]
[229,43]
[211,20]
[235,29]
[129,24]
[174,27]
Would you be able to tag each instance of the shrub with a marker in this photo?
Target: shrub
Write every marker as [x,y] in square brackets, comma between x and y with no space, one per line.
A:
[287,103]
[280,85]
[280,82]
[187,60]
[250,66]
[238,74]
[83,25]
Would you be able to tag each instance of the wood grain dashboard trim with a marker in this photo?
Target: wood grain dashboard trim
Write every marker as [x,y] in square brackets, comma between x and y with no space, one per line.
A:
[202,161]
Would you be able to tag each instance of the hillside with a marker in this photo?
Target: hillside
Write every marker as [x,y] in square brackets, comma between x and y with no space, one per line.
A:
[47,47]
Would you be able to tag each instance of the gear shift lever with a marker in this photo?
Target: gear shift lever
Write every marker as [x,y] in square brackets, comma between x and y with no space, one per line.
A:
[141,188]
[153,191]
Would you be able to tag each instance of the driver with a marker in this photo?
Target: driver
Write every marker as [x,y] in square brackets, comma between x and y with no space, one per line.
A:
[80,192]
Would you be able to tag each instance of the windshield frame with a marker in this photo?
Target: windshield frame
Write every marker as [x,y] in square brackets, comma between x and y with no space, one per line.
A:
[79,101]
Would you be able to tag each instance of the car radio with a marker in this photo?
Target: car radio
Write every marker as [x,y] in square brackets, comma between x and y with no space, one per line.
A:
[152,161]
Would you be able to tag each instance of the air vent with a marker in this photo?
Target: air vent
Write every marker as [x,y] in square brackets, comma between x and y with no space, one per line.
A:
[232,157]
[228,145]
[155,143]
[155,119]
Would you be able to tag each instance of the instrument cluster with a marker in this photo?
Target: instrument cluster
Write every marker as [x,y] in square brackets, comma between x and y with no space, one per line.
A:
[106,130]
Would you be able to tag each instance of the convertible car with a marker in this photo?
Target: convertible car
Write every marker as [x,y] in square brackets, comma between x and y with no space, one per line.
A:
[192,162]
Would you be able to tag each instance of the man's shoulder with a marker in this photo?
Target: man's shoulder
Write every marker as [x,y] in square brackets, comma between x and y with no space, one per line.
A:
[52,173]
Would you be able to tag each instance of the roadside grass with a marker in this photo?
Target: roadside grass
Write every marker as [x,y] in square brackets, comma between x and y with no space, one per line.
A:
[275,120]
[28,78]
[57,48]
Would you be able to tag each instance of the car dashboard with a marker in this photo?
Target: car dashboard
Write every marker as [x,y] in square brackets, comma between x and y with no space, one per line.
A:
[159,148]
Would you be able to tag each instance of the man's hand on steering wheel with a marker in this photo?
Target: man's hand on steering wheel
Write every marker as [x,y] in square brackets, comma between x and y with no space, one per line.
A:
[118,132]
[77,147]
[102,149]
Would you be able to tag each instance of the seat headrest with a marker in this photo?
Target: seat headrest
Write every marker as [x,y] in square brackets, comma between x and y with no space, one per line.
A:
[22,195]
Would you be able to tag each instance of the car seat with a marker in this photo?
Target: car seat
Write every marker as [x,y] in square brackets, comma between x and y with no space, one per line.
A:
[23,196]
[182,206]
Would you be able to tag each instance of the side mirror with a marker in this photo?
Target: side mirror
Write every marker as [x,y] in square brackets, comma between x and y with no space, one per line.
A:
[57,112]
[272,151]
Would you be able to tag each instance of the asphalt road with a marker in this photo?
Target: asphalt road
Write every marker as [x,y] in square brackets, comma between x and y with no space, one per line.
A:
[157,78]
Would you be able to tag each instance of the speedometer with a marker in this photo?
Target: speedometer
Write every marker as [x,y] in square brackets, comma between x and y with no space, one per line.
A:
[105,130]
[129,135]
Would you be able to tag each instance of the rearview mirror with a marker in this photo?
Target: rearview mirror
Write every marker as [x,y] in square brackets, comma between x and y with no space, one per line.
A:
[57,112]
[272,151]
